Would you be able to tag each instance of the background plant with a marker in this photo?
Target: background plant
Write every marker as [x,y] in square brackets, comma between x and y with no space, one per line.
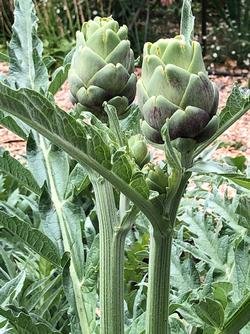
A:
[228,39]
[226,20]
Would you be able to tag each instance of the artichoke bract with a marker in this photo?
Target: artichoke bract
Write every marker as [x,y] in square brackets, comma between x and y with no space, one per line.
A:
[102,67]
[174,85]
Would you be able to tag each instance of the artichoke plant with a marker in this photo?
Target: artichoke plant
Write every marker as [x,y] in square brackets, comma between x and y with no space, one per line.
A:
[102,67]
[174,85]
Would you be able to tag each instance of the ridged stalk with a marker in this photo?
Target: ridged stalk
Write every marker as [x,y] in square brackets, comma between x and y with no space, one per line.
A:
[112,240]
[118,282]
[159,268]
[159,284]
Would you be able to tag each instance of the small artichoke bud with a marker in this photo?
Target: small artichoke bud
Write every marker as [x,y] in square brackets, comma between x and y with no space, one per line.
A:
[139,150]
[102,67]
[174,85]
[156,178]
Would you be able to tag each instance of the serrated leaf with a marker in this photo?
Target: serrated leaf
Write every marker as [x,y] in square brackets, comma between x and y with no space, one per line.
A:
[225,209]
[243,210]
[14,125]
[238,100]
[78,181]
[122,166]
[177,326]
[26,323]
[11,289]
[26,66]
[139,183]
[139,298]
[131,124]
[184,275]
[241,273]
[207,167]
[211,312]
[19,173]
[7,263]
[138,325]
[194,251]
[204,238]
[32,237]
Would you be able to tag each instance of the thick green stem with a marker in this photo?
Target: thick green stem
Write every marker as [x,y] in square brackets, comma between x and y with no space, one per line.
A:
[238,319]
[159,284]
[159,267]
[177,198]
[118,282]
[112,239]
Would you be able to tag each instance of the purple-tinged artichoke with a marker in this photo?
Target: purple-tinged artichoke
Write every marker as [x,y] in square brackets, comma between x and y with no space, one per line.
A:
[174,85]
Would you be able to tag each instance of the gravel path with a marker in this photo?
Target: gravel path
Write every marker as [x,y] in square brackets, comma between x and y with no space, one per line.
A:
[235,141]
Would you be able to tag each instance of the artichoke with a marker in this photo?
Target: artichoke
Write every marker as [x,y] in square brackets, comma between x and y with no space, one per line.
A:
[139,151]
[102,67]
[174,85]
[156,178]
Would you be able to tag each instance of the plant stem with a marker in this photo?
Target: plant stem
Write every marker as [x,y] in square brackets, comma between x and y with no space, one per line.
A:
[159,283]
[238,319]
[177,198]
[159,267]
[112,240]
[118,282]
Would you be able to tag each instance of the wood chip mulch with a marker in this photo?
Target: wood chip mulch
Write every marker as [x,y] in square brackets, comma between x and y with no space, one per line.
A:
[235,140]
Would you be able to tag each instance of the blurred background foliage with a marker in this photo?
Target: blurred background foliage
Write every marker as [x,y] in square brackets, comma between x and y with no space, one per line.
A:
[222,26]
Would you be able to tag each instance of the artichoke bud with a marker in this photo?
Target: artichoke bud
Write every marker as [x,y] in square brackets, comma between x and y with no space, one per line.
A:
[174,85]
[156,178]
[102,67]
[139,150]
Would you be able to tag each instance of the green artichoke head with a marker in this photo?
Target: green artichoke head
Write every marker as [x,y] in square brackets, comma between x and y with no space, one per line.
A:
[139,150]
[156,178]
[102,67]
[174,85]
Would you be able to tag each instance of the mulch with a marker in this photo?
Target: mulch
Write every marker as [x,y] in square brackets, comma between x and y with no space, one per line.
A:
[235,140]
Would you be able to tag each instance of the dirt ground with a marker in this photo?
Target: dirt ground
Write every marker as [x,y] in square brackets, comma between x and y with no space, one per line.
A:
[235,141]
